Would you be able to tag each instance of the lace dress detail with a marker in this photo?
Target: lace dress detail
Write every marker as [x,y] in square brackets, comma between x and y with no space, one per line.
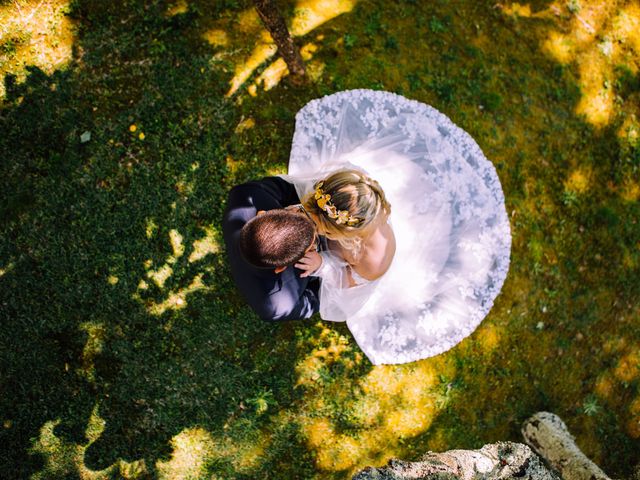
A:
[448,215]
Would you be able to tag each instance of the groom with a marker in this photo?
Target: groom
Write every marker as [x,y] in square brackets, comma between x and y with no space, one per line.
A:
[264,241]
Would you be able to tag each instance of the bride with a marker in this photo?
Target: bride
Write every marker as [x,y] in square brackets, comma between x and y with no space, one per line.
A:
[414,283]
[351,211]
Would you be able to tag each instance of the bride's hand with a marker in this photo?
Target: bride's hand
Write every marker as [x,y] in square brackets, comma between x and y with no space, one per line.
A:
[309,263]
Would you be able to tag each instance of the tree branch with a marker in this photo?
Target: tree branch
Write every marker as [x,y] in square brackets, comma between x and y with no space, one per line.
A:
[277,27]
[547,434]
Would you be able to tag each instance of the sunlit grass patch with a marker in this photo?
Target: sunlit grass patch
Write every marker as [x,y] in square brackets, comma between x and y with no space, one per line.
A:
[177,245]
[631,191]
[6,269]
[489,336]
[133,470]
[192,448]
[150,227]
[248,21]
[245,124]
[217,37]
[34,33]
[310,14]
[626,27]
[243,445]
[177,7]
[628,366]
[176,300]
[605,386]
[63,459]
[60,458]
[95,426]
[354,422]
[160,275]
[193,451]
[596,36]
[339,453]
[629,130]
[263,51]
[234,165]
[559,47]
[93,347]
[330,348]
[633,423]
[596,85]
[209,244]
[274,73]
[516,9]
[615,385]
[579,181]
[272,171]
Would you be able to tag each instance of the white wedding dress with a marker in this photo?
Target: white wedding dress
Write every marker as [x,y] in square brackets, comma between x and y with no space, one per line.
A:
[447,212]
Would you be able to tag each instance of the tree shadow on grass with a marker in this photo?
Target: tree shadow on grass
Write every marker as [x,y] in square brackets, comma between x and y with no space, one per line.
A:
[116,298]
[108,310]
[562,334]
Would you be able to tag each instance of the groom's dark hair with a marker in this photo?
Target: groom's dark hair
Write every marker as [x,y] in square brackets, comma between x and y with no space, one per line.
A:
[276,238]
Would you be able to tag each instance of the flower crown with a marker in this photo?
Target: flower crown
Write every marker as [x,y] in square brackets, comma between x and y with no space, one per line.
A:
[340,216]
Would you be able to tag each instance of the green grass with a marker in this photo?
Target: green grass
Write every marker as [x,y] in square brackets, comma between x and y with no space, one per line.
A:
[125,350]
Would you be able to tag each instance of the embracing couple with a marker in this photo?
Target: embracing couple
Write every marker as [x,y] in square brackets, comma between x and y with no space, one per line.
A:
[323,239]
[279,247]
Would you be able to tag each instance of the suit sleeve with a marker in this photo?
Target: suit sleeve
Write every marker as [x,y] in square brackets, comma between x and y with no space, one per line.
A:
[290,304]
[281,191]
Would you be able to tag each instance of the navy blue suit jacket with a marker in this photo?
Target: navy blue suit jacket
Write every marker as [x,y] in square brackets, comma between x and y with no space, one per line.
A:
[282,296]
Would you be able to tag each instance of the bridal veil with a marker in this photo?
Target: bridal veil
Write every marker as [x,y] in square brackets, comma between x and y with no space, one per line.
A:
[447,212]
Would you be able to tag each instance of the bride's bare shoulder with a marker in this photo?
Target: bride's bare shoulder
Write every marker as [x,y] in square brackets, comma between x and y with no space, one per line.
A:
[379,249]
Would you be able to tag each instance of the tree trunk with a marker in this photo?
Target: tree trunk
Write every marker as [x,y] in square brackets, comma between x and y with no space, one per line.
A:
[497,461]
[545,432]
[275,24]
[549,437]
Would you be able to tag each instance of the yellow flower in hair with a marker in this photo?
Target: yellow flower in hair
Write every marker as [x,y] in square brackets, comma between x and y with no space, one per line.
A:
[343,217]
[321,198]
[332,211]
[323,201]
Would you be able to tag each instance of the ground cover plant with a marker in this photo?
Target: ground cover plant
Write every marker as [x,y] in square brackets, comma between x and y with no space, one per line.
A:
[125,350]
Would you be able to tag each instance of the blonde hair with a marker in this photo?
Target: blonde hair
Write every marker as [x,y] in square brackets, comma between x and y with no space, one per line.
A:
[354,192]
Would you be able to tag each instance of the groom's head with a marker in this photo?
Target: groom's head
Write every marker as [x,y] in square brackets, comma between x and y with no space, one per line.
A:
[276,238]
